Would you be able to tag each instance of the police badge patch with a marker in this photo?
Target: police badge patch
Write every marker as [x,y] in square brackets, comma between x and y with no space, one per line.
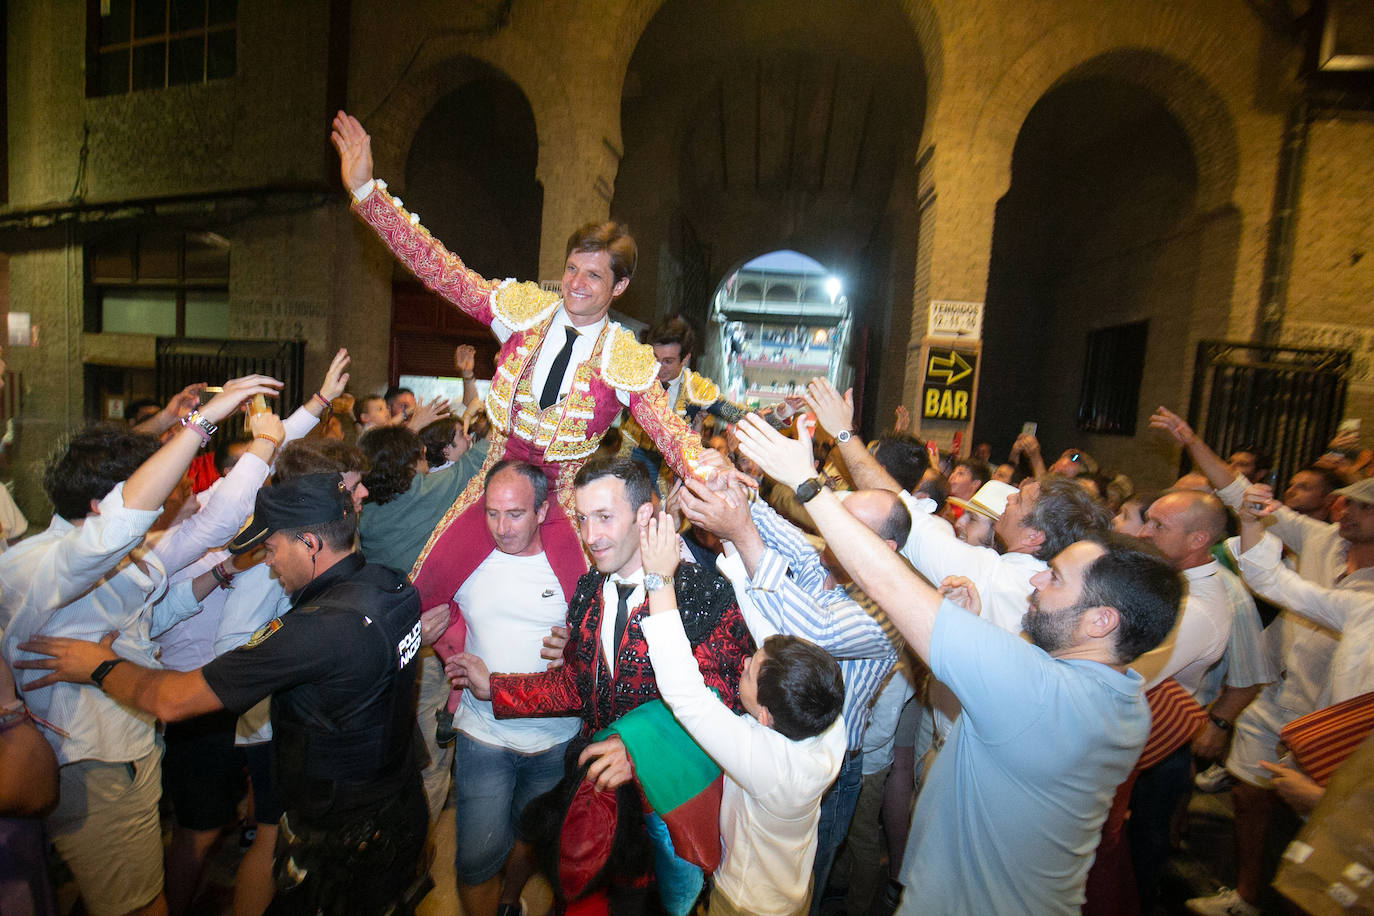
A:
[261,633]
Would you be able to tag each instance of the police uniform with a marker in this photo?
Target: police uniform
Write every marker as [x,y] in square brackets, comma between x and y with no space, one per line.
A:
[340,668]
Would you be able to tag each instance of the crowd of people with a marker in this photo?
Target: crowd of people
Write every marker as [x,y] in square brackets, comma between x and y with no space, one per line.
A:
[672,655]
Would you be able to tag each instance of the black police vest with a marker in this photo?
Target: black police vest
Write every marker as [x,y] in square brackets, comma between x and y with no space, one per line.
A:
[334,764]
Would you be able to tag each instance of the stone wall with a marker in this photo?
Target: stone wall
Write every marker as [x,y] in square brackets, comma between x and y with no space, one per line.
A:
[982,66]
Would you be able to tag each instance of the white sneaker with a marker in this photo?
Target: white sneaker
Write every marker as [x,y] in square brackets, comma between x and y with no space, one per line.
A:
[1215,778]
[1225,902]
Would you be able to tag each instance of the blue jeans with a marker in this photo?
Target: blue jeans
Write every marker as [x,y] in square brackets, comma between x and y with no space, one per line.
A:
[837,810]
[494,784]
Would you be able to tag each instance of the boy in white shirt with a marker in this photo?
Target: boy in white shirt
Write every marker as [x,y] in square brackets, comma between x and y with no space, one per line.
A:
[778,760]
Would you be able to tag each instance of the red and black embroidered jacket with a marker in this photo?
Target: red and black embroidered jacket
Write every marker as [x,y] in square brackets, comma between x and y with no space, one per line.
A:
[583,685]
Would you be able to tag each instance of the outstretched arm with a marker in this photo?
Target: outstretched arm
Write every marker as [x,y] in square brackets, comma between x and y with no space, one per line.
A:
[675,441]
[465,361]
[150,485]
[1217,471]
[422,254]
[169,695]
[836,414]
[182,403]
[909,601]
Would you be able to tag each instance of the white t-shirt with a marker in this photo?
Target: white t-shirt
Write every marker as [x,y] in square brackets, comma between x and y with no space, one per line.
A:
[509,603]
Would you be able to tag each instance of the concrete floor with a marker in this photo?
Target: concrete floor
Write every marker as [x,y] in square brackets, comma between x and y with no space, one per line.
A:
[1202,863]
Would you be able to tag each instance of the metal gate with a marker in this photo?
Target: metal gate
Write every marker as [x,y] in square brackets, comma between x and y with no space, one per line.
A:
[1285,400]
[182,361]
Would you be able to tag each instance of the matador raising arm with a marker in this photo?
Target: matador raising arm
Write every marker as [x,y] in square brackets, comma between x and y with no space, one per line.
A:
[548,404]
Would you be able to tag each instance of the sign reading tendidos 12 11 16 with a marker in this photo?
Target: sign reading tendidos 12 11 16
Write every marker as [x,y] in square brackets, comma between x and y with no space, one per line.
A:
[960,320]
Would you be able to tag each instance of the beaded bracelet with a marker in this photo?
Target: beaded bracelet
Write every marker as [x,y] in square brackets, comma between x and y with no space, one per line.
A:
[276,443]
[9,720]
[222,577]
[203,427]
[322,399]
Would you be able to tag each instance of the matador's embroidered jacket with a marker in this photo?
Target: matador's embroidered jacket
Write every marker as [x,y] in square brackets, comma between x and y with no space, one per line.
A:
[695,394]
[559,438]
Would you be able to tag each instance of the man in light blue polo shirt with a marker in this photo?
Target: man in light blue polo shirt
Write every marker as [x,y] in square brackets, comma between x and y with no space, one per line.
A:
[1011,814]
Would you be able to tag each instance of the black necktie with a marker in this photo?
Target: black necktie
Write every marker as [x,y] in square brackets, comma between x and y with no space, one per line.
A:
[560,366]
[622,614]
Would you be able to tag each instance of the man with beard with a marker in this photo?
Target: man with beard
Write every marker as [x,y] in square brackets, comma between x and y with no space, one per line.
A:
[1010,815]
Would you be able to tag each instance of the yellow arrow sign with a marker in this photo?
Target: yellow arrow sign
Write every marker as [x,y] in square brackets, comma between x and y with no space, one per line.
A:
[953,368]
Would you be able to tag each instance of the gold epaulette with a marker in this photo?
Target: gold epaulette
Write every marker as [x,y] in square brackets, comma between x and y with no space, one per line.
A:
[626,363]
[701,391]
[520,306]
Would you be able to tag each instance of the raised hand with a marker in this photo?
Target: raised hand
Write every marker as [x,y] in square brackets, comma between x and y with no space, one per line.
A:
[720,471]
[713,510]
[658,551]
[962,592]
[1027,445]
[235,392]
[901,419]
[269,426]
[1258,502]
[788,461]
[435,409]
[355,151]
[336,379]
[465,360]
[834,412]
[184,401]
[1165,419]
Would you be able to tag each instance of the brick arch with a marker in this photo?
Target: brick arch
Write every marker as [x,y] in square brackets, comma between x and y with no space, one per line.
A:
[393,127]
[1166,70]
[634,17]
[1200,111]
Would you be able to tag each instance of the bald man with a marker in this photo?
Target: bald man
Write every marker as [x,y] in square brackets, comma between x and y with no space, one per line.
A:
[1215,655]
[818,602]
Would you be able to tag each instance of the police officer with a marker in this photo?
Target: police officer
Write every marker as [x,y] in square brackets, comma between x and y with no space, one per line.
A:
[340,668]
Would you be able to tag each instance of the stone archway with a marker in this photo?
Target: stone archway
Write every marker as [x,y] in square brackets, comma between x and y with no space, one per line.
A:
[470,173]
[776,126]
[1118,211]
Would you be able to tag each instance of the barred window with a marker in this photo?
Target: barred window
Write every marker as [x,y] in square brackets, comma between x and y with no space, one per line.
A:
[153,44]
[1112,369]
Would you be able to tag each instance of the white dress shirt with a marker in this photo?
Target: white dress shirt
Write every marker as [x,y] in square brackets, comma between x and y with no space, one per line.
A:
[75,581]
[1199,636]
[610,597]
[1347,609]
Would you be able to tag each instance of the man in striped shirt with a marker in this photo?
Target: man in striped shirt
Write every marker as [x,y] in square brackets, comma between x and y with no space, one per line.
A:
[785,585]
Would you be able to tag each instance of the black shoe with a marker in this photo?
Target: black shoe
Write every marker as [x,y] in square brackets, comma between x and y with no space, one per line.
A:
[444,733]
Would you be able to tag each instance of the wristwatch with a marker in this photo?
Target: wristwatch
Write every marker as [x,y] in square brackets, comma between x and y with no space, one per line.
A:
[202,427]
[101,670]
[843,436]
[653,582]
[807,490]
